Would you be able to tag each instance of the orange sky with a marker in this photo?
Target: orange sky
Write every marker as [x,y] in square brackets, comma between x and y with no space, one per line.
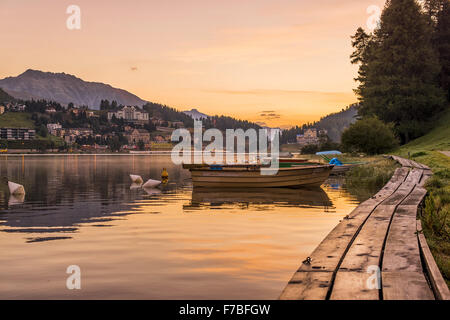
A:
[236,57]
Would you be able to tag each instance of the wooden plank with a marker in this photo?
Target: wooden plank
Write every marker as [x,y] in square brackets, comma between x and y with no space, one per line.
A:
[307,286]
[327,255]
[346,281]
[416,197]
[360,237]
[402,252]
[403,162]
[438,283]
[403,285]
[402,271]
[426,175]
[409,163]
[367,248]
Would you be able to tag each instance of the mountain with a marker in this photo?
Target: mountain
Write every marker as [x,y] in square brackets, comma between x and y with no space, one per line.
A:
[4,97]
[196,115]
[65,88]
[336,123]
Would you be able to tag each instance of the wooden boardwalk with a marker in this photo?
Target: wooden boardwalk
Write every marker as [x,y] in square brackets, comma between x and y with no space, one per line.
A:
[376,252]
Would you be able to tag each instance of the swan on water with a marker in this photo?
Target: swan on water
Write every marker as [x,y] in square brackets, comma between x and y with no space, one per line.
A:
[136,179]
[135,186]
[151,184]
[151,191]
[16,199]
[14,188]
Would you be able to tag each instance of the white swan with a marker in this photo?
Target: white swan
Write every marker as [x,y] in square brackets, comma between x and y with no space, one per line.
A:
[135,186]
[151,184]
[16,199]
[151,191]
[136,179]
[16,189]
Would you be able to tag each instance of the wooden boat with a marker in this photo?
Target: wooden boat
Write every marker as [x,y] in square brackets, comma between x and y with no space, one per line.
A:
[250,176]
[342,169]
[292,160]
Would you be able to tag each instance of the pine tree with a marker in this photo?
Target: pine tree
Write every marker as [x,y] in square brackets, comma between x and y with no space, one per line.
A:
[442,44]
[399,70]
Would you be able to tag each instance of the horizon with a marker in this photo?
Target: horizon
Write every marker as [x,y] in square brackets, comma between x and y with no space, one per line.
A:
[241,60]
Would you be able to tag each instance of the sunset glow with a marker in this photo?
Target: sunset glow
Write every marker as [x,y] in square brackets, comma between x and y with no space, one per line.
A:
[237,58]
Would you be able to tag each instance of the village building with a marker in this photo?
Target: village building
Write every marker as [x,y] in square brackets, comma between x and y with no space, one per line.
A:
[136,135]
[175,124]
[15,107]
[53,128]
[17,134]
[50,110]
[2,109]
[130,114]
[157,121]
[71,135]
[309,137]
[160,139]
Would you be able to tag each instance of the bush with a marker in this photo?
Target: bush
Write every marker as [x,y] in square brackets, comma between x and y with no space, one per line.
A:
[370,136]
[419,154]
[310,149]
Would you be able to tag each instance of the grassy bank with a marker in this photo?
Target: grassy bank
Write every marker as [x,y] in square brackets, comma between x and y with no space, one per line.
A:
[436,214]
[366,180]
[16,120]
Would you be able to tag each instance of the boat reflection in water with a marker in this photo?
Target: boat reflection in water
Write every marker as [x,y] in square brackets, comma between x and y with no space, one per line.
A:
[304,197]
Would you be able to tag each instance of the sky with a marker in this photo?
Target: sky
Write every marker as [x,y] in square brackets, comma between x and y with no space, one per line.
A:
[276,62]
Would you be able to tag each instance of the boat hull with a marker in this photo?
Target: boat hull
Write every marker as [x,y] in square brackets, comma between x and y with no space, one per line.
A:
[341,169]
[252,178]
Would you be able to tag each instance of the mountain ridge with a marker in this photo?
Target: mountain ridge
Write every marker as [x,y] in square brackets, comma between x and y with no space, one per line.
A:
[65,88]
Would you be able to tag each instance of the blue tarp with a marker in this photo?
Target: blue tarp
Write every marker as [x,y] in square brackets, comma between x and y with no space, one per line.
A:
[336,162]
[328,153]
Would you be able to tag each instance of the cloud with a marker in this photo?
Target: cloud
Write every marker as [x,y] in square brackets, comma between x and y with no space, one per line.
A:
[269,115]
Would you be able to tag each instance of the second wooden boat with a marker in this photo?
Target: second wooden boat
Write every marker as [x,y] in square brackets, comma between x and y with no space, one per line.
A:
[250,176]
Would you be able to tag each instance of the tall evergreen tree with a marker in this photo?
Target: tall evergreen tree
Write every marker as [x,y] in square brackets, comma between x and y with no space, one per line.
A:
[442,44]
[399,70]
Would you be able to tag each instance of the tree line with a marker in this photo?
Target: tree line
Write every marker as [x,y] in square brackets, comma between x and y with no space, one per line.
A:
[403,76]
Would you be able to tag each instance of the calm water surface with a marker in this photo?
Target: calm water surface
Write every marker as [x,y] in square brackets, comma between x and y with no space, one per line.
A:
[168,243]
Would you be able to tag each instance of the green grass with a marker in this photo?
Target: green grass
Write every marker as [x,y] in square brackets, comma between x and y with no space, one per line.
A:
[58,142]
[23,120]
[366,180]
[16,120]
[436,213]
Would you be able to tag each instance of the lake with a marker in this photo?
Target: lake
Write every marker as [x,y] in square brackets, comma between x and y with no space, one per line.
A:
[167,243]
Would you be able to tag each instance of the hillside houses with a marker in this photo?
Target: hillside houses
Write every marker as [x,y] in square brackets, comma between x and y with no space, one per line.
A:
[311,137]
[137,135]
[130,114]
[17,134]
[15,107]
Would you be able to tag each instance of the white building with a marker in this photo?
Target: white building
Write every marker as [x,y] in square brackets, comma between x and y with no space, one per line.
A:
[53,128]
[129,114]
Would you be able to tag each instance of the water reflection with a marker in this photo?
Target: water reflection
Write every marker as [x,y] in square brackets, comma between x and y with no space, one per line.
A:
[66,192]
[301,198]
[171,242]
